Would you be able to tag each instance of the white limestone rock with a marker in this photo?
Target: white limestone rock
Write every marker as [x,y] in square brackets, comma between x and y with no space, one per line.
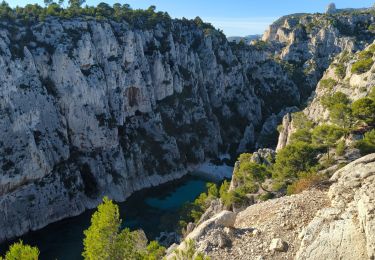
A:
[278,245]
[346,229]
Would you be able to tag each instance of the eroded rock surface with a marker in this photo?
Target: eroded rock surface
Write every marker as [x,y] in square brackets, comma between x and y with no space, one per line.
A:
[346,229]
[338,223]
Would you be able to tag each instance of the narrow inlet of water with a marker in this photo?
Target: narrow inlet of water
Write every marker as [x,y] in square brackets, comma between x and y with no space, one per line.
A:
[154,210]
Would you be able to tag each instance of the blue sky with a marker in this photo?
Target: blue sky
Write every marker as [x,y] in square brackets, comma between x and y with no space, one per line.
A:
[234,17]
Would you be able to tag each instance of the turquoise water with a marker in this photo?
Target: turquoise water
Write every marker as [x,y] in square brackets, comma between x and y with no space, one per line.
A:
[154,210]
[174,200]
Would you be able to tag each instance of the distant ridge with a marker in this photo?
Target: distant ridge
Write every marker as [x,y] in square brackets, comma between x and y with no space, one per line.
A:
[247,39]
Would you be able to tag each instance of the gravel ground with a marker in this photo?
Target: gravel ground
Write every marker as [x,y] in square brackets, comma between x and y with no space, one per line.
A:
[255,228]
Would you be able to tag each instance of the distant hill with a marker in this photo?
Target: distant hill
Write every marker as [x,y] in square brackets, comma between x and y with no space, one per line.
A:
[247,39]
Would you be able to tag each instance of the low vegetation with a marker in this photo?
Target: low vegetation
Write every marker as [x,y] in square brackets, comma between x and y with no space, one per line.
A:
[367,144]
[120,12]
[340,70]
[189,252]
[364,62]
[328,83]
[362,66]
[104,239]
[305,181]
[19,251]
[364,110]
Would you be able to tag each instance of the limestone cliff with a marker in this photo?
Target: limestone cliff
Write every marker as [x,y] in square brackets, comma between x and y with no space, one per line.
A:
[311,41]
[92,108]
[338,78]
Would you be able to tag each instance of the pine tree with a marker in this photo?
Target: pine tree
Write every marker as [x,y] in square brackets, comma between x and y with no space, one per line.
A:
[48,2]
[104,239]
[19,251]
[76,3]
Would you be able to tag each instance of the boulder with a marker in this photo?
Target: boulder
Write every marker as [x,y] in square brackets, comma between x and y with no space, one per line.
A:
[190,227]
[225,218]
[278,245]
[221,220]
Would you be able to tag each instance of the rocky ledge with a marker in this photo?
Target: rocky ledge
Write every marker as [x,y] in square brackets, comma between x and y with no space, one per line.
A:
[346,229]
[317,224]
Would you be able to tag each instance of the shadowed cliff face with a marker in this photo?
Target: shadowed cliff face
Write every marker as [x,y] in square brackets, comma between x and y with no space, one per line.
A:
[93,108]
[96,108]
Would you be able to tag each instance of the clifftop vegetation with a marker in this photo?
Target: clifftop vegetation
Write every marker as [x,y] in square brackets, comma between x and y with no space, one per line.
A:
[35,12]
[138,18]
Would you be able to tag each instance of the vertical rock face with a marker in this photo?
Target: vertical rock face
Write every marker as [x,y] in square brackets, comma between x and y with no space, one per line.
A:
[286,130]
[92,108]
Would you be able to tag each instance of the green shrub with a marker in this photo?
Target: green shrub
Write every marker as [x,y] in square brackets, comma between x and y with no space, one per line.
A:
[341,115]
[238,197]
[189,252]
[367,144]
[154,251]
[266,196]
[260,45]
[193,211]
[294,158]
[305,181]
[340,71]
[362,66]
[251,174]
[104,239]
[371,28]
[366,54]
[300,121]
[19,251]
[364,110]
[137,18]
[280,128]
[340,148]
[328,83]
[345,57]
[301,135]
[224,188]
[326,135]
[337,98]
[372,93]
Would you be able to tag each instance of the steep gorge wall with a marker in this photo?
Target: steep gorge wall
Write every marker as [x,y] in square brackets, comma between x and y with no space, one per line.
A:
[94,108]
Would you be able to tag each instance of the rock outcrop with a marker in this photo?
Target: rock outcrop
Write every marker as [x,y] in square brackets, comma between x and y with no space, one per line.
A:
[353,85]
[285,132]
[317,224]
[276,222]
[346,229]
[310,42]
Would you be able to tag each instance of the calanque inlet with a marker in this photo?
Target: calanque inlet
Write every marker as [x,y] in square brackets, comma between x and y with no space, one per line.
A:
[128,134]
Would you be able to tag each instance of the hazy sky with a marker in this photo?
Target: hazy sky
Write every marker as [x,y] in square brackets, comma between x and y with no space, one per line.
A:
[235,17]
